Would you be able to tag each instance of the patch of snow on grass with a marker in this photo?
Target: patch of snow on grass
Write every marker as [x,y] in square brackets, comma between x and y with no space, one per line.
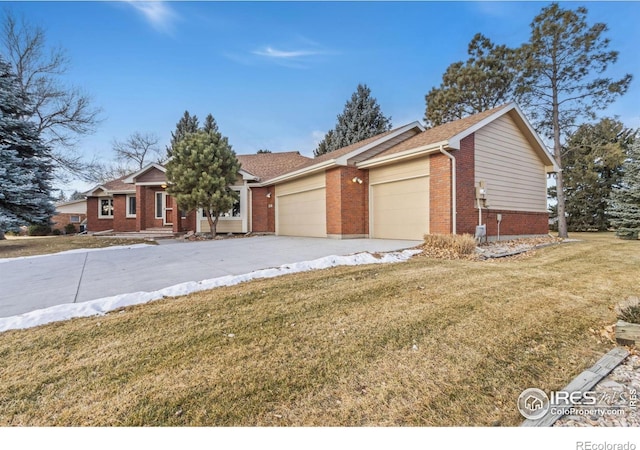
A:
[78,250]
[103,305]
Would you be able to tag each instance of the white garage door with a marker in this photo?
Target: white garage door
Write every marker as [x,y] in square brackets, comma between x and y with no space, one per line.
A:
[302,214]
[400,209]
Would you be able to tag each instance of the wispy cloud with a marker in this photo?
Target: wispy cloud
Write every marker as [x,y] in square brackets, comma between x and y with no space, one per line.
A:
[271,52]
[160,15]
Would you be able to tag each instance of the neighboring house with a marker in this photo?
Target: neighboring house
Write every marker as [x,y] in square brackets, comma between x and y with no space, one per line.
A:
[400,184]
[73,212]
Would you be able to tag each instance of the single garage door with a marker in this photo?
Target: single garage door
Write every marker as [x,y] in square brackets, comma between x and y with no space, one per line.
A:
[302,214]
[400,209]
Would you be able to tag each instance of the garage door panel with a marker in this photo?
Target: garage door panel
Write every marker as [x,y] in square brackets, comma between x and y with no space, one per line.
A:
[302,214]
[400,209]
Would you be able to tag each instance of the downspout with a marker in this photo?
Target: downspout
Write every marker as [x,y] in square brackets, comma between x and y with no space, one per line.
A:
[453,185]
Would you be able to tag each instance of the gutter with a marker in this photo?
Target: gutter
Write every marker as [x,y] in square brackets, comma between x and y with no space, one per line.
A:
[453,186]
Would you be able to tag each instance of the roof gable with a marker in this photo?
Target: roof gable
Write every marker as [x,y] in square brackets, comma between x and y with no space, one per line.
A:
[354,152]
[450,134]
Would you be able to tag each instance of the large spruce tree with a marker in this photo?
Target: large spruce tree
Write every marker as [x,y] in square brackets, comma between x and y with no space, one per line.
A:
[593,158]
[624,206]
[25,162]
[361,118]
[202,167]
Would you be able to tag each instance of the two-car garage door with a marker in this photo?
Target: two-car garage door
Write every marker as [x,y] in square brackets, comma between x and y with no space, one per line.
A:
[399,200]
[398,203]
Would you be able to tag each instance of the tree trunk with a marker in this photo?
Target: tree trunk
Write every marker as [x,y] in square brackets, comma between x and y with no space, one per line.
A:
[557,150]
[2,235]
[213,223]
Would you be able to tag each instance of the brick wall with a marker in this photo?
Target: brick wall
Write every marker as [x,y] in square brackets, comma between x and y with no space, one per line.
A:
[120,220]
[263,209]
[93,222]
[439,194]
[347,202]
[467,216]
[515,223]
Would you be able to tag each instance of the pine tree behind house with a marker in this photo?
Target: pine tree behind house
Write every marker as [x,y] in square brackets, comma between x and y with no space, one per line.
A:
[26,170]
[202,168]
[624,207]
[186,124]
[361,119]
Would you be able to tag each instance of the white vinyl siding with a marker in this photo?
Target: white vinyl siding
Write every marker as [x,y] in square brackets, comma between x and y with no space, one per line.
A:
[514,175]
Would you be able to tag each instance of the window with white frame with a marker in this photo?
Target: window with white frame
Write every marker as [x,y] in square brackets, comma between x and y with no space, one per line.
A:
[74,219]
[105,208]
[233,213]
[131,205]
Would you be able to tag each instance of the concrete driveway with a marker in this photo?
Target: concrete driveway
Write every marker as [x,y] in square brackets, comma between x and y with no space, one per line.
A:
[34,283]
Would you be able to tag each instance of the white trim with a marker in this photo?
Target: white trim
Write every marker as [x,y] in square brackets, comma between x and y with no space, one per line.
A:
[127,200]
[155,205]
[343,160]
[100,215]
[152,183]
[418,151]
[299,173]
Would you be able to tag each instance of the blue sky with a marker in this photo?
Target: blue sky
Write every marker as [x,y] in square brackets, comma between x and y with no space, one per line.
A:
[276,74]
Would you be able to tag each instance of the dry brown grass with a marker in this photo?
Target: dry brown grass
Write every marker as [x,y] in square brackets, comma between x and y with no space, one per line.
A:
[427,342]
[449,246]
[28,246]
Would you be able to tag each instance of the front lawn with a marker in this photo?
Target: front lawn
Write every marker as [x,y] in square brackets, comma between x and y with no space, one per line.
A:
[422,343]
[29,246]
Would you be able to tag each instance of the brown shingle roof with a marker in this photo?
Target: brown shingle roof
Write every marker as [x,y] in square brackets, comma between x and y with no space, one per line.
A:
[440,133]
[339,152]
[119,185]
[270,165]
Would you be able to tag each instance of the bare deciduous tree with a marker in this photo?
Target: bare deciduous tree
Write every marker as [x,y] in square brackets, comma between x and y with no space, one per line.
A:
[138,150]
[61,112]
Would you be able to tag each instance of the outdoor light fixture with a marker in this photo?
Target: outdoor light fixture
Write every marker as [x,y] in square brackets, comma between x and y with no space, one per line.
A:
[357,180]
[163,186]
[268,194]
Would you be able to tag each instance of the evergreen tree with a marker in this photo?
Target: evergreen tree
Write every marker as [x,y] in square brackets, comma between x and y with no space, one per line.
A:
[484,81]
[624,207]
[593,158]
[200,172]
[362,118]
[186,124]
[25,169]
[559,78]
[263,150]
[210,125]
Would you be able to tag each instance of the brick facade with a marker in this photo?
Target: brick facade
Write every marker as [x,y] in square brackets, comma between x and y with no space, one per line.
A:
[263,217]
[515,223]
[440,194]
[94,223]
[467,212]
[347,202]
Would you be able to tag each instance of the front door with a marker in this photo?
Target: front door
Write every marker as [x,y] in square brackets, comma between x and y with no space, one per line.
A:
[168,210]
[164,207]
